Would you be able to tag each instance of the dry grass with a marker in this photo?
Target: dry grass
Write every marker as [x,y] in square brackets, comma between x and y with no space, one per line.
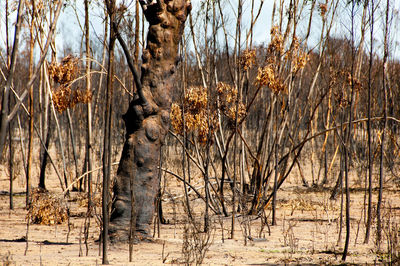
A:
[7,259]
[82,200]
[46,208]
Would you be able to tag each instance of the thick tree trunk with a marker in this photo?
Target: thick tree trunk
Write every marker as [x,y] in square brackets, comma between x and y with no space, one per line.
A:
[147,119]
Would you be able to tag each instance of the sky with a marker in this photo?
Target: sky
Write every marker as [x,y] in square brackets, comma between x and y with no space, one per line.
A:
[69,33]
[69,26]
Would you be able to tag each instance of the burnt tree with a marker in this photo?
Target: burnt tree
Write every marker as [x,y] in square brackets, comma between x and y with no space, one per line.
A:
[147,119]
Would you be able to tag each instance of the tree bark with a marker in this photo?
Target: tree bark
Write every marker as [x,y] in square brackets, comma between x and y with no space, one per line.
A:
[370,159]
[45,156]
[31,110]
[147,119]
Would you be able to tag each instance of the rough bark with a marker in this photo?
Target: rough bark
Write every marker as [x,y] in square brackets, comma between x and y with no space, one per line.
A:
[147,119]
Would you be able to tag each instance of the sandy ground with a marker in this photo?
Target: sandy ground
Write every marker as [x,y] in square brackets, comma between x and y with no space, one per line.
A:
[306,232]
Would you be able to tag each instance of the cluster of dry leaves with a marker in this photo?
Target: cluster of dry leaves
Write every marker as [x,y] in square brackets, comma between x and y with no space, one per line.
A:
[64,98]
[64,73]
[298,57]
[276,45]
[247,59]
[269,75]
[266,76]
[196,118]
[201,116]
[227,98]
[323,8]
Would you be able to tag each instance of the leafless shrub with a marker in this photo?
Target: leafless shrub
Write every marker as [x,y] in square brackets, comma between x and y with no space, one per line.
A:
[245,225]
[391,229]
[196,243]
[263,223]
[289,239]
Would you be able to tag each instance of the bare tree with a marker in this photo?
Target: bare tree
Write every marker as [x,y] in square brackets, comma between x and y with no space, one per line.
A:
[6,114]
[4,120]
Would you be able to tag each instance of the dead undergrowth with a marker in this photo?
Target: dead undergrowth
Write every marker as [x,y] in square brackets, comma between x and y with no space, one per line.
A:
[307,230]
[46,208]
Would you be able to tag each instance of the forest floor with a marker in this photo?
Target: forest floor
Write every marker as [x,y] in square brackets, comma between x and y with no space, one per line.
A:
[307,231]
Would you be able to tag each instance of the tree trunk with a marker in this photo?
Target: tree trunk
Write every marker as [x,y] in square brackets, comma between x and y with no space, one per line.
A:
[370,159]
[45,156]
[31,114]
[147,119]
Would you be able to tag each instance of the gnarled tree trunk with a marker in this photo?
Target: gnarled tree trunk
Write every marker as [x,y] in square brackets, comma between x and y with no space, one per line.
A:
[147,119]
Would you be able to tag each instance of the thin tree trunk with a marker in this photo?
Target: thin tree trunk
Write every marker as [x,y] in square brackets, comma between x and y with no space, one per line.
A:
[42,176]
[7,13]
[21,142]
[9,129]
[137,27]
[370,161]
[31,114]
[30,145]
[73,144]
[276,163]
[103,61]
[107,136]
[347,212]
[381,173]
[237,80]
[184,143]
[60,141]
[348,139]
[11,164]
[89,127]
